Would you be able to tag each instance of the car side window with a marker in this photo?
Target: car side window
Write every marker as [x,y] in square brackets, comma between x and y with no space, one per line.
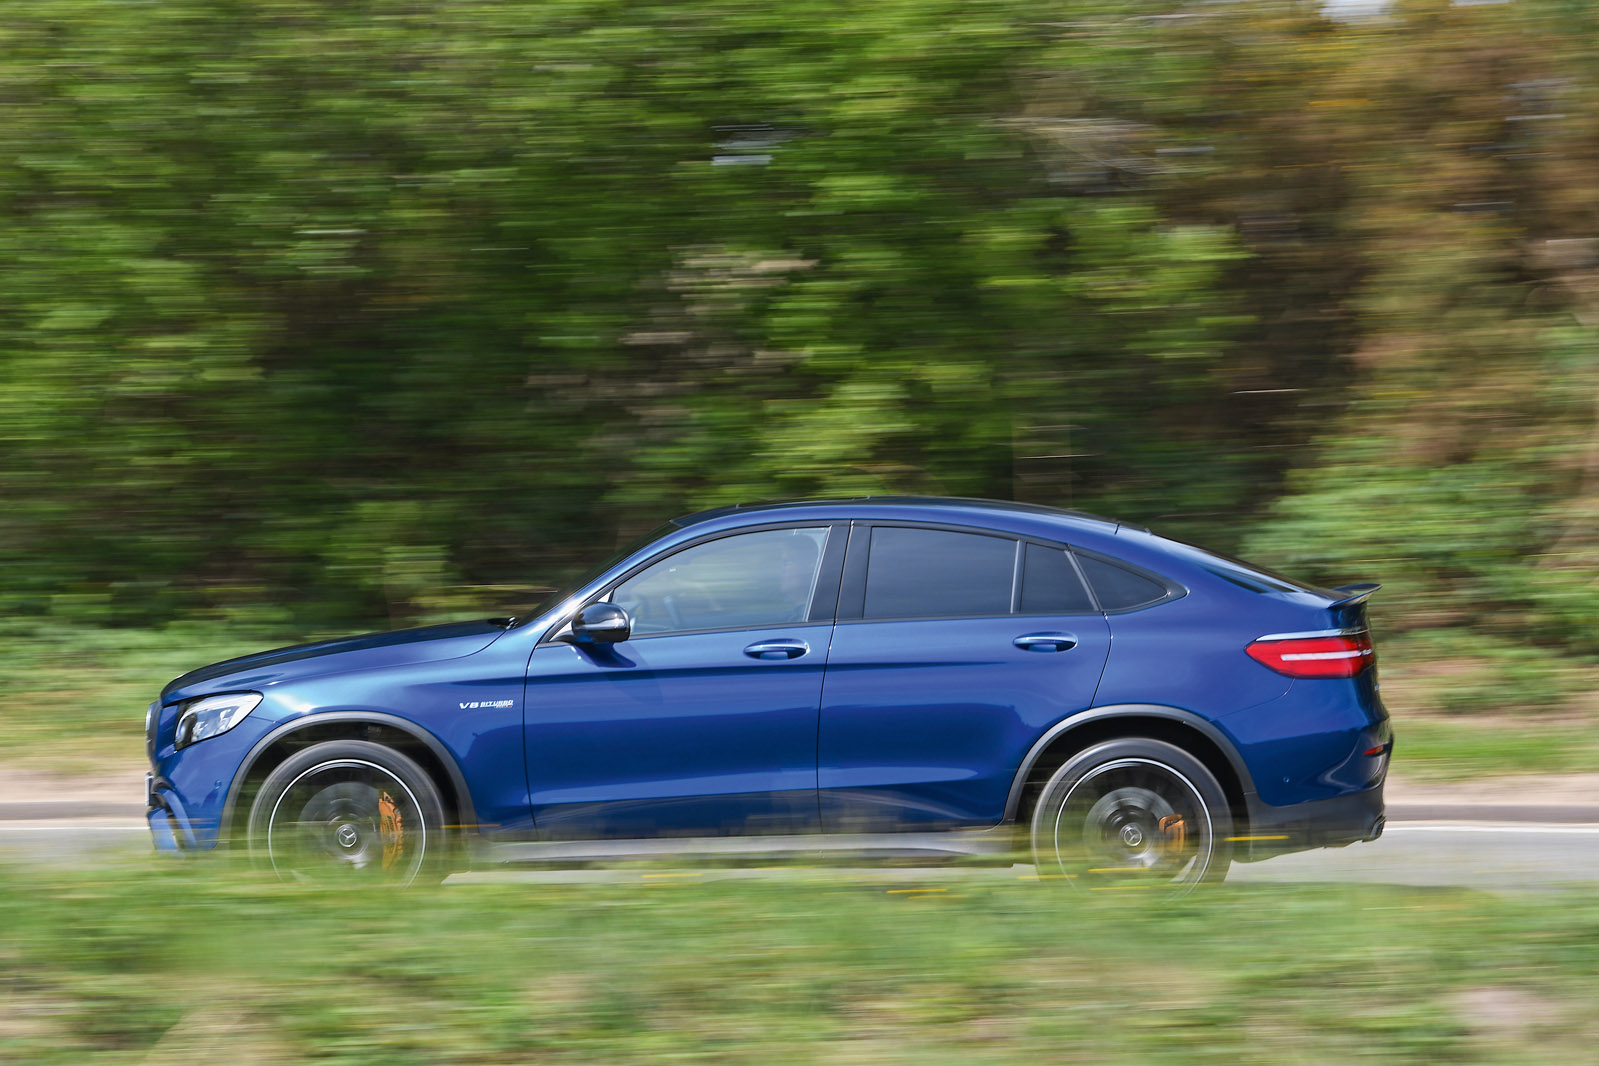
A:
[936,573]
[1119,589]
[1050,584]
[746,580]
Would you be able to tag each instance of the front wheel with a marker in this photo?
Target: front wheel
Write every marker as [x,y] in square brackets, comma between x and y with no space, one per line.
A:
[1133,813]
[348,810]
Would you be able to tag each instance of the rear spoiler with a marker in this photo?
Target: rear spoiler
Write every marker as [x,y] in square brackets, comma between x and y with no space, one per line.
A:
[1354,594]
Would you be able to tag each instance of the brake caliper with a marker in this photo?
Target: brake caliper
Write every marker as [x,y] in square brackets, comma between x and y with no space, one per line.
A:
[1174,834]
[391,828]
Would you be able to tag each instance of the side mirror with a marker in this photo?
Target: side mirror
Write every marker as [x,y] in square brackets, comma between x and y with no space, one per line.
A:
[601,623]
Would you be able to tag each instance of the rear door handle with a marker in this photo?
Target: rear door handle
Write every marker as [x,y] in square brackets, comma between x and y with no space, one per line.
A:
[777,649]
[1046,642]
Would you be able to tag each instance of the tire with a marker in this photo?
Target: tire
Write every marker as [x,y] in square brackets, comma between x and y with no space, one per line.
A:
[349,810]
[1133,813]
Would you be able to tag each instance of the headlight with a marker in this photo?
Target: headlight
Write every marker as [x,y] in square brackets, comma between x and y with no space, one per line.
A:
[213,716]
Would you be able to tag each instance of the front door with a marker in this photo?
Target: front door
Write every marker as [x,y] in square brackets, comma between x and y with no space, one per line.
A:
[704,720]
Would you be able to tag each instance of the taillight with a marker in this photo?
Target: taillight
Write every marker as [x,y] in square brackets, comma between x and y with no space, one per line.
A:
[1315,654]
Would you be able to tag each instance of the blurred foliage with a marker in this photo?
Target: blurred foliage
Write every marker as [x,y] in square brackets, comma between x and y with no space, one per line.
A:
[187,963]
[352,309]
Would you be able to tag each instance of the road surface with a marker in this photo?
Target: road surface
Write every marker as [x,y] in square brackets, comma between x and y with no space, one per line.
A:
[1504,856]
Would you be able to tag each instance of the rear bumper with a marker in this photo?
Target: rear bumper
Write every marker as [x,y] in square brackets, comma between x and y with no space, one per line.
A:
[1326,823]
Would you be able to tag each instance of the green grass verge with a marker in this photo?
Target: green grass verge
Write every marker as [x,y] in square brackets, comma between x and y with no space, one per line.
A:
[73,698]
[1435,749]
[196,963]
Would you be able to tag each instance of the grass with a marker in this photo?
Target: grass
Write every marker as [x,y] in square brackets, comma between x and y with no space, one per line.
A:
[1505,709]
[73,698]
[178,963]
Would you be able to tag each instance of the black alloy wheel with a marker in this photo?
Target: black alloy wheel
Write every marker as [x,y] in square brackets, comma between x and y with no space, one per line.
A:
[348,810]
[1133,813]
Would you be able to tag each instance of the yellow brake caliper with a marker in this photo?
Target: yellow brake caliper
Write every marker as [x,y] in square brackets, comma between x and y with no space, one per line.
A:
[1174,831]
[392,829]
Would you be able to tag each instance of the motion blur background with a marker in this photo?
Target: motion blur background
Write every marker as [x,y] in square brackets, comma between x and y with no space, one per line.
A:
[317,316]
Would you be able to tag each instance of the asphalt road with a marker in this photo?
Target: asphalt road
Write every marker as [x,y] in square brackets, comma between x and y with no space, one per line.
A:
[1503,857]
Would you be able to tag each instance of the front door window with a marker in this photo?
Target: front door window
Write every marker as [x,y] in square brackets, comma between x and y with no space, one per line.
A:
[745,581]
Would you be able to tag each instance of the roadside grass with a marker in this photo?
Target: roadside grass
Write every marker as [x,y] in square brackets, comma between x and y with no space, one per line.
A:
[72,698]
[1506,709]
[177,963]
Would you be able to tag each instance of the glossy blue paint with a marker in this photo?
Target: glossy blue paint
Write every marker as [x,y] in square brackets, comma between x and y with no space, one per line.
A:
[917,731]
[909,724]
[675,734]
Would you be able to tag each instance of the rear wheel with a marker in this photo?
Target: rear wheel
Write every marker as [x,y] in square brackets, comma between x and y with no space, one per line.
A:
[348,810]
[1133,813]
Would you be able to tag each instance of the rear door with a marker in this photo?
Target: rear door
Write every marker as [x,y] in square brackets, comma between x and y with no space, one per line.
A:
[954,650]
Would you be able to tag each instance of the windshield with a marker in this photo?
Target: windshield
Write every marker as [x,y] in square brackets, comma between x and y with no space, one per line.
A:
[566,589]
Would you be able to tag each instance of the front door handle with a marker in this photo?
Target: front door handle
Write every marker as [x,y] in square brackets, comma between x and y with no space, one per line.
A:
[777,649]
[1046,642]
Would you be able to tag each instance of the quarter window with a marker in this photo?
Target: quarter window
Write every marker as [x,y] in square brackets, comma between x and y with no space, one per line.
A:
[747,580]
[935,573]
[1119,589]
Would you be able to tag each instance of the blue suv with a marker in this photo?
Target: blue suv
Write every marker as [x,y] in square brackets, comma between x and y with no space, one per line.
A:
[891,675]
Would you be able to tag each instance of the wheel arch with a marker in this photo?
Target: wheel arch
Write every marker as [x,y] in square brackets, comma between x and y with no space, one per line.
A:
[1184,729]
[376,726]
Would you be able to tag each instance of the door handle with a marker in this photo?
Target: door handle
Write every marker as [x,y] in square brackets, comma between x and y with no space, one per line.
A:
[777,649]
[1046,642]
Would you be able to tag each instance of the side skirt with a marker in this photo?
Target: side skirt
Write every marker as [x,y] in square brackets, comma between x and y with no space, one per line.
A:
[997,844]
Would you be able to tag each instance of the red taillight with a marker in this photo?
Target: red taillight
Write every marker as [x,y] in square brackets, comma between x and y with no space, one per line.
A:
[1330,655]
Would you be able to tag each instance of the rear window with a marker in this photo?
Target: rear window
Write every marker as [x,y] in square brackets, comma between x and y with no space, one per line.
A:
[1119,589]
[1243,574]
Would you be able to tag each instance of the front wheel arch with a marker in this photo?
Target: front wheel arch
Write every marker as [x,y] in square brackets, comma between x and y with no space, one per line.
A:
[377,727]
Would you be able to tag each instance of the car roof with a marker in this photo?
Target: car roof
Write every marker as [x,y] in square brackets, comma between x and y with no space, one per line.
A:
[912,505]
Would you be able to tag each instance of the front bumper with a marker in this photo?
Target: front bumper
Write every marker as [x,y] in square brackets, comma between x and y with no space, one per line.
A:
[170,830]
[1326,823]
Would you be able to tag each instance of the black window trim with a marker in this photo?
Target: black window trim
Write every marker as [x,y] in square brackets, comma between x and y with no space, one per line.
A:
[824,597]
[852,587]
[852,591]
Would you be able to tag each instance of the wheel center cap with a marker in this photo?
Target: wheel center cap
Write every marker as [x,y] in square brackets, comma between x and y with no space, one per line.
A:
[1132,836]
[347,836]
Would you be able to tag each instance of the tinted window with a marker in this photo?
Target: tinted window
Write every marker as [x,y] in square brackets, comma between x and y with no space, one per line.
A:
[750,579]
[1119,589]
[932,573]
[1050,584]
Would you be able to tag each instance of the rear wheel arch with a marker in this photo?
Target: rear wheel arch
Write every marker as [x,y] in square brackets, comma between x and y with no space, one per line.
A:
[1182,729]
[376,727]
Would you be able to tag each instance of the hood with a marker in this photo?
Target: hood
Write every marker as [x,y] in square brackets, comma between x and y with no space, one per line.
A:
[399,648]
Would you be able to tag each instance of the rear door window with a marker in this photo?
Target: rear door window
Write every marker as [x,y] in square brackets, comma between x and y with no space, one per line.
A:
[1050,584]
[937,573]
